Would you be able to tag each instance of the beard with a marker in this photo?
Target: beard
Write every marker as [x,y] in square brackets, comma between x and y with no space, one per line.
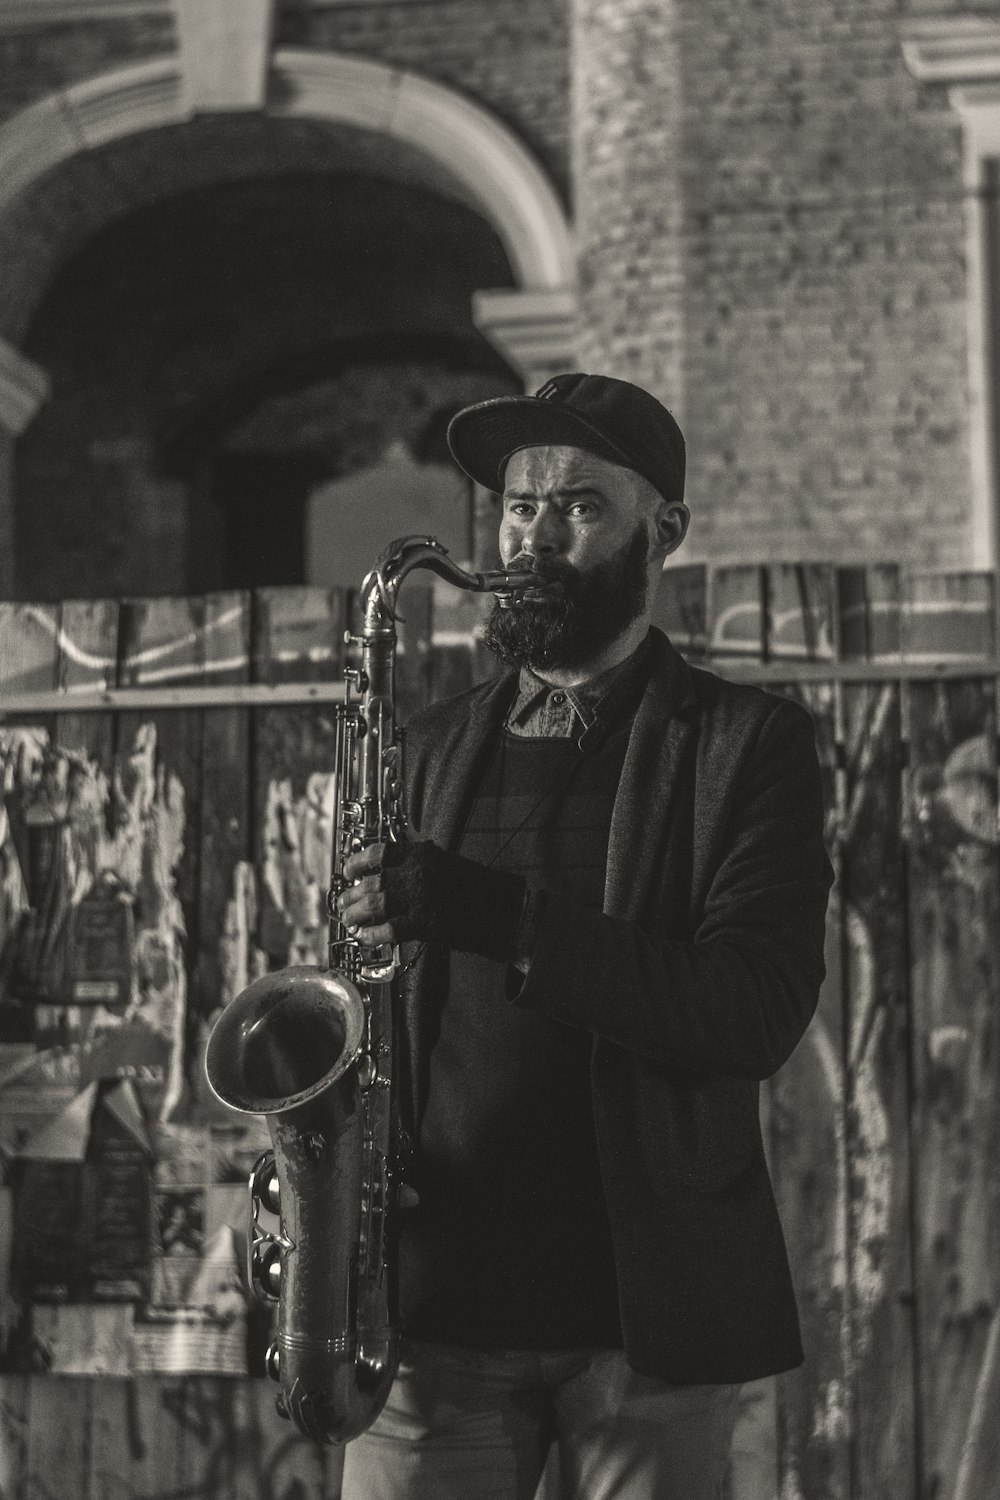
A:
[585,614]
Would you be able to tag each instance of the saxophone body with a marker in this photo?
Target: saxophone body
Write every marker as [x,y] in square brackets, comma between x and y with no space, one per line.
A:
[315,1052]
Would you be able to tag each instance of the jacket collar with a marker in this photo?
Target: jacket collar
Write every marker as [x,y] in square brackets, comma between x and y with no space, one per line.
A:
[601,698]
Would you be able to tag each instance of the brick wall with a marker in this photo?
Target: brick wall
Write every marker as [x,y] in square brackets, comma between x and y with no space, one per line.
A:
[510,55]
[823,374]
[36,61]
[629,210]
[826,357]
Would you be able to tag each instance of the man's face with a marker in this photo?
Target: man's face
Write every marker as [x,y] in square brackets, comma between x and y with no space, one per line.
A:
[568,508]
[587,528]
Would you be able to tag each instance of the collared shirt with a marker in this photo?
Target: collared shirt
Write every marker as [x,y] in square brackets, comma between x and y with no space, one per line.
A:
[541,711]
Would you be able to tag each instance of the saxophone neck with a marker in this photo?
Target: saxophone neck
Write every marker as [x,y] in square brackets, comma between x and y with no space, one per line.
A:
[381,587]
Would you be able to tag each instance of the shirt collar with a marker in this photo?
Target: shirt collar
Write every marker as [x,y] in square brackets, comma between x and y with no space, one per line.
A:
[600,696]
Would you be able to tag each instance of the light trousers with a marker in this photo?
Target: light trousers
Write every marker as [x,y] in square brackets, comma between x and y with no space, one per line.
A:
[466,1424]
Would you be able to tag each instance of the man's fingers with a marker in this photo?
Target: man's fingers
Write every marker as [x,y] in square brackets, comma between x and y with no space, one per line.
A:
[361,886]
[375,937]
[363,861]
[351,903]
[360,906]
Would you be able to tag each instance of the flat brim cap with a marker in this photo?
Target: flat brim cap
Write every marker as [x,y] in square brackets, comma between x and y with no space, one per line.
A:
[612,418]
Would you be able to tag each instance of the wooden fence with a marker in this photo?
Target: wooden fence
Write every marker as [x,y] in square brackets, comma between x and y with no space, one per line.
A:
[200,730]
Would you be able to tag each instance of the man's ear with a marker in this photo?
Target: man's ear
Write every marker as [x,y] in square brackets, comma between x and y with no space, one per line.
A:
[672,521]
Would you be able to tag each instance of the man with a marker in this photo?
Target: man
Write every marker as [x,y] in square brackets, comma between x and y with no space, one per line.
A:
[617,887]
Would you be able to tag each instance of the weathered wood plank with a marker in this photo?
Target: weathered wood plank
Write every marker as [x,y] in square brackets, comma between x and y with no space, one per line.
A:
[869,613]
[225,963]
[114,1439]
[809,1162]
[216,1438]
[949,616]
[34,895]
[298,636]
[208,1454]
[801,614]
[88,659]
[59,1438]
[88,644]
[159,766]
[29,649]
[162,1438]
[156,1437]
[955,978]
[875,986]
[225,830]
[88,649]
[737,614]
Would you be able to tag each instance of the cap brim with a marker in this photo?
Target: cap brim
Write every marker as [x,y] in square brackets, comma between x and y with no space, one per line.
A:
[482,437]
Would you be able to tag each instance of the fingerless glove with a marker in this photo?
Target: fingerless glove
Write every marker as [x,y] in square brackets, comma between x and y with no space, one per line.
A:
[441,897]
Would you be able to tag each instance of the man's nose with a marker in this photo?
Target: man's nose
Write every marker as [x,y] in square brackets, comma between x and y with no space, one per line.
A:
[541,536]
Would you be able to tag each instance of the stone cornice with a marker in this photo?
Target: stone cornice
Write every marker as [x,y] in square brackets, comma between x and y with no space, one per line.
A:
[85,115]
[535,329]
[23,388]
[952,49]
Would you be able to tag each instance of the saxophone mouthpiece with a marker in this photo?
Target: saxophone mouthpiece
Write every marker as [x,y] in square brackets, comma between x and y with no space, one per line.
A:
[507,584]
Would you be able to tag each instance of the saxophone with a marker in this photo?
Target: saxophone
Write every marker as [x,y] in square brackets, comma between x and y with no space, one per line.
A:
[315,1052]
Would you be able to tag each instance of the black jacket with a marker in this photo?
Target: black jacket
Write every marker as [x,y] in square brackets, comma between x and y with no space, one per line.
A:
[696,981]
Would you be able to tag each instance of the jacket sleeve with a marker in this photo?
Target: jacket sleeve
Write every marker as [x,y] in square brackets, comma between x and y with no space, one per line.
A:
[736,997]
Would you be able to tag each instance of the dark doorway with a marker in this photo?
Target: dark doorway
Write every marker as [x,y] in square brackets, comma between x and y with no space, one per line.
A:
[263,500]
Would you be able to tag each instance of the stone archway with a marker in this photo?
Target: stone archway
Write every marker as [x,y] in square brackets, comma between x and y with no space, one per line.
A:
[475,155]
[470,155]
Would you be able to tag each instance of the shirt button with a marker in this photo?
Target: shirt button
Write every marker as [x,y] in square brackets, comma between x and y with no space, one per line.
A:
[559,698]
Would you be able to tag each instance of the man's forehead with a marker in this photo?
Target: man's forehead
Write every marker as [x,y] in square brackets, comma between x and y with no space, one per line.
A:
[558,462]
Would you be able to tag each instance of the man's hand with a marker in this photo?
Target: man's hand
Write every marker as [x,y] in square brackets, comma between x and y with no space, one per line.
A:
[399,892]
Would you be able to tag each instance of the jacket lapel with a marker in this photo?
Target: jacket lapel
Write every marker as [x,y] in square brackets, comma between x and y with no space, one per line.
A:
[660,735]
